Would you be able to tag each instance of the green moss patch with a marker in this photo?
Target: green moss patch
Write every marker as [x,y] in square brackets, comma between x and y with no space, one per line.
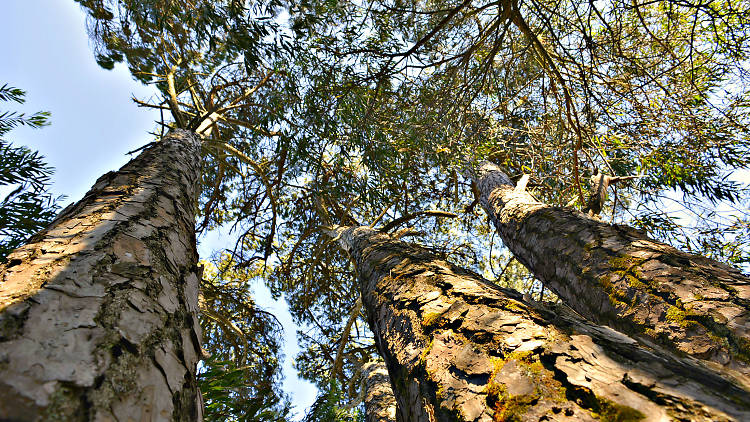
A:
[517,383]
[609,411]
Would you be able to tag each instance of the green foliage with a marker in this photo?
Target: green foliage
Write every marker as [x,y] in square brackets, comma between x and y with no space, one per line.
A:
[328,407]
[224,57]
[223,386]
[397,99]
[551,90]
[10,119]
[197,35]
[27,206]
[239,380]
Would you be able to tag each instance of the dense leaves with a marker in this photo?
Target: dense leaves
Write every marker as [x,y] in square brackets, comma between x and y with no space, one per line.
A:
[196,35]
[657,89]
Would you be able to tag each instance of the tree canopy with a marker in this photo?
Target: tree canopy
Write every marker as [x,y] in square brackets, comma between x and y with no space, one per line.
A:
[347,112]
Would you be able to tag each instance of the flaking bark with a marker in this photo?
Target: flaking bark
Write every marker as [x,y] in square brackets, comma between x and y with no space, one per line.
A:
[617,276]
[461,349]
[98,313]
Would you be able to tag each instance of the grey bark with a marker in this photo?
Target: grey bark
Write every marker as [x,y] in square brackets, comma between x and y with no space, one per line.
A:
[98,312]
[617,276]
[380,403]
[461,349]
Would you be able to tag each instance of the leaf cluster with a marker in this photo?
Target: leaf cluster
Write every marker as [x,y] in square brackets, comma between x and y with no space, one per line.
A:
[27,205]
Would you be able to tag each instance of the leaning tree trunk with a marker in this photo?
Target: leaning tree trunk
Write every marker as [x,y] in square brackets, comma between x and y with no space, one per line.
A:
[617,276]
[461,349]
[380,403]
[98,313]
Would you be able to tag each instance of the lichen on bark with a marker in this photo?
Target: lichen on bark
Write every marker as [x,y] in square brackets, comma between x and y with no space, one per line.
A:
[98,312]
[618,276]
[459,348]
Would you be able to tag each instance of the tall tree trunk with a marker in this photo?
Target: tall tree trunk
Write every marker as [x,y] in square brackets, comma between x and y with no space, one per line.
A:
[380,403]
[98,313]
[460,348]
[617,276]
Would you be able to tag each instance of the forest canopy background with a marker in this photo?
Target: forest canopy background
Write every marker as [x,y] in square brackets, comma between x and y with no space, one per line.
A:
[383,120]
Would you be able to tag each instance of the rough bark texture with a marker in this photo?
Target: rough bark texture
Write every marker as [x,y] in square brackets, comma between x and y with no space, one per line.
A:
[380,403]
[98,312]
[459,348]
[617,276]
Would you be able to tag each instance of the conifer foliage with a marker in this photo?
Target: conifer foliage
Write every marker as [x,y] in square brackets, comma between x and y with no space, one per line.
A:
[26,205]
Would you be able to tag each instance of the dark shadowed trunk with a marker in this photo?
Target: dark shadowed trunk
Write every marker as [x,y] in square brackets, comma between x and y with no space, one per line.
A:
[98,313]
[380,404]
[617,276]
[459,348]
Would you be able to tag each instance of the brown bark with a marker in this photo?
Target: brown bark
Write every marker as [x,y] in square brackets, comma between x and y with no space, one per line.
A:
[459,348]
[617,276]
[380,403]
[98,312]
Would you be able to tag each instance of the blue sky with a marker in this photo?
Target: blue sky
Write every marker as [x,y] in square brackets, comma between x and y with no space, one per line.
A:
[46,52]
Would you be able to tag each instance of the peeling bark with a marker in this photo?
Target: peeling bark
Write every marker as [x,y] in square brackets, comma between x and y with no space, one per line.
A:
[98,312]
[461,349]
[380,403]
[617,276]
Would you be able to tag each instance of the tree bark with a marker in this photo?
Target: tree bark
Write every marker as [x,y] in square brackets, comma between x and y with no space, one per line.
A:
[98,312]
[461,349]
[380,403]
[617,276]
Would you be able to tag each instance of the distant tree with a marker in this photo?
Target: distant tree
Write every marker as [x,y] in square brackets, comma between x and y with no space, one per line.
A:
[27,206]
[379,401]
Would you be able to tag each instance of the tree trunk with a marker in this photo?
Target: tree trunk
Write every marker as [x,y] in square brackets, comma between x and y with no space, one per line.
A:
[380,403]
[617,276]
[98,313]
[459,348]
